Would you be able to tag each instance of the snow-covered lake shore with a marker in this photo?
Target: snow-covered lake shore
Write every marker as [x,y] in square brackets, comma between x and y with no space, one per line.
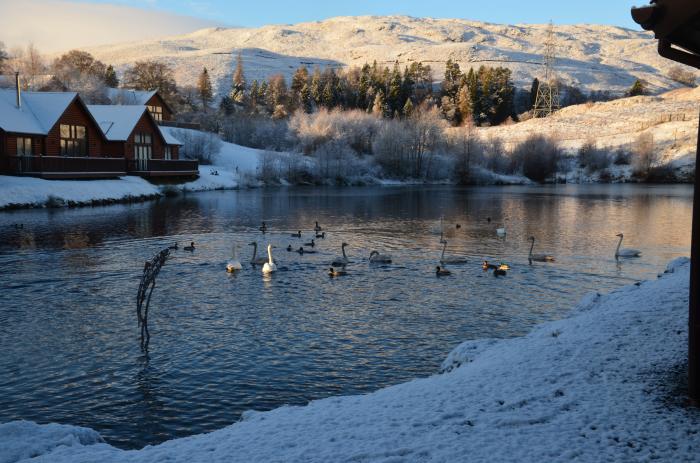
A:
[604,384]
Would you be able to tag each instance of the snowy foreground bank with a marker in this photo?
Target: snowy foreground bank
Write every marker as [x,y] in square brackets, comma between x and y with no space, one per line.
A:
[598,386]
[23,192]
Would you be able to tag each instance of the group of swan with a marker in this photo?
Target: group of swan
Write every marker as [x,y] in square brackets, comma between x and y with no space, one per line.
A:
[376,257]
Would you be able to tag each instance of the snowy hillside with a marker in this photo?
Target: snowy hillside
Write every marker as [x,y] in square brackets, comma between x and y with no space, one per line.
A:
[672,119]
[592,56]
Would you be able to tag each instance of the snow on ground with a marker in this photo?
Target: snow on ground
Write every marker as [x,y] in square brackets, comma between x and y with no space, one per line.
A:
[235,158]
[598,386]
[18,192]
[28,191]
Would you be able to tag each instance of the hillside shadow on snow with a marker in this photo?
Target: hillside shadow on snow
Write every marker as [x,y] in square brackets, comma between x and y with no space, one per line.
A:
[258,62]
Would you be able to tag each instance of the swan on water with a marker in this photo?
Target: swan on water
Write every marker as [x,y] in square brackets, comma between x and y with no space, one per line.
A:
[450,259]
[538,257]
[317,228]
[297,234]
[174,246]
[234,264]
[321,235]
[376,258]
[255,260]
[269,266]
[190,247]
[343,260]
[311,244]
[332,272]
[625,252]
[442,271]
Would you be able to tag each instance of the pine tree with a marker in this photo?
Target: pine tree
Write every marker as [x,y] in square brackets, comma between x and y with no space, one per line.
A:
[299,81]
[408,108]
[254,92]
[464,104]
[226,106]
[316,87]
[306,103]
[204,88]
[111,79]
[452,81]
[238,87]
[638,88]
[378,107]
[364,86]
[262,92]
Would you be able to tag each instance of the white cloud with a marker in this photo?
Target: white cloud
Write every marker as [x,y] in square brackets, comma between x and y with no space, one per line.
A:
[55,25]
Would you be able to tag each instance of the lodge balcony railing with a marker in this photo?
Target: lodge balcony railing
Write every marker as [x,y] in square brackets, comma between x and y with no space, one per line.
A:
[94,167]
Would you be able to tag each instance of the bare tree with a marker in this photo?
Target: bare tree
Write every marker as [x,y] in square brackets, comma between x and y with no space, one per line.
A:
[645,154]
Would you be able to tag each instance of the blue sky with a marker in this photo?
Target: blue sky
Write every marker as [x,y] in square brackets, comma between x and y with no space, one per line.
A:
[251,13]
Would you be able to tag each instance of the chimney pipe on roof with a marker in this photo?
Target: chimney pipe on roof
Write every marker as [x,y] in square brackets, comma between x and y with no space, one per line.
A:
[19,100]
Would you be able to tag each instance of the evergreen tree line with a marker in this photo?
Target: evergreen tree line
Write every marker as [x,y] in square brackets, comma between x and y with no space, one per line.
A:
[371,88]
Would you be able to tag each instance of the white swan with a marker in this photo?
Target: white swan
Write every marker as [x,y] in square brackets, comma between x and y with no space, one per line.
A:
[269,266]
[255,260]
[538,257]
[376,258]
[341,261]
[625,252]
[450,259]
[234,264]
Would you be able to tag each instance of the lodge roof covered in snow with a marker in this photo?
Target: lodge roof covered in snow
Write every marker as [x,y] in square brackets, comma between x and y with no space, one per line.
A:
[125,96]
[37,113]
[117,122]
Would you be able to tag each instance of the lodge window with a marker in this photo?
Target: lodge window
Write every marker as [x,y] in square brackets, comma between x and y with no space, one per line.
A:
[142,146]
[156,112]
[73,140]
[24,146]
[167,153]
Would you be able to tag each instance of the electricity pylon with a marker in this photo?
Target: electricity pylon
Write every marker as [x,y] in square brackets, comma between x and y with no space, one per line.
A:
[547,99]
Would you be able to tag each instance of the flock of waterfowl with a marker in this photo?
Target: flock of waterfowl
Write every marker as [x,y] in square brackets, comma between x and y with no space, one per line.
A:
[338,265]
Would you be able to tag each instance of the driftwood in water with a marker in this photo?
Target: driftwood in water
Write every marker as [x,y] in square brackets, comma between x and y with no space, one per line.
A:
[148,283]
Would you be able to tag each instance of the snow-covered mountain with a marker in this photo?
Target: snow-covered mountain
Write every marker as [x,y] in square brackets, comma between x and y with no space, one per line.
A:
[594,57]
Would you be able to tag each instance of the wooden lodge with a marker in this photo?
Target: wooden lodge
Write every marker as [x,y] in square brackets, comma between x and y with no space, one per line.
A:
[56,135]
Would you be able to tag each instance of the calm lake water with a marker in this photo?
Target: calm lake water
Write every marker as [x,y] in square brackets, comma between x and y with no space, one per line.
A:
[222,344]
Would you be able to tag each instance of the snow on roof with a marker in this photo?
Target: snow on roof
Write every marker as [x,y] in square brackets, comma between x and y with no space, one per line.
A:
[124,96]
[117,122]
[39,111]
[168,136]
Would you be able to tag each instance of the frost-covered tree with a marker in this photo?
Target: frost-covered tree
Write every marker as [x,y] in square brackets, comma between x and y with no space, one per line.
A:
[4,57]
[151,75]
[204,88]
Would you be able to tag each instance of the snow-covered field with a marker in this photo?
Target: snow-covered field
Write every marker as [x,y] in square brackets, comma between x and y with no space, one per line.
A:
[601,385]
[671,118]
[594,57]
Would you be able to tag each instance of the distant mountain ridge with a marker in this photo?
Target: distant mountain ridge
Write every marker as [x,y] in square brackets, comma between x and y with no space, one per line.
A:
[593,57]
